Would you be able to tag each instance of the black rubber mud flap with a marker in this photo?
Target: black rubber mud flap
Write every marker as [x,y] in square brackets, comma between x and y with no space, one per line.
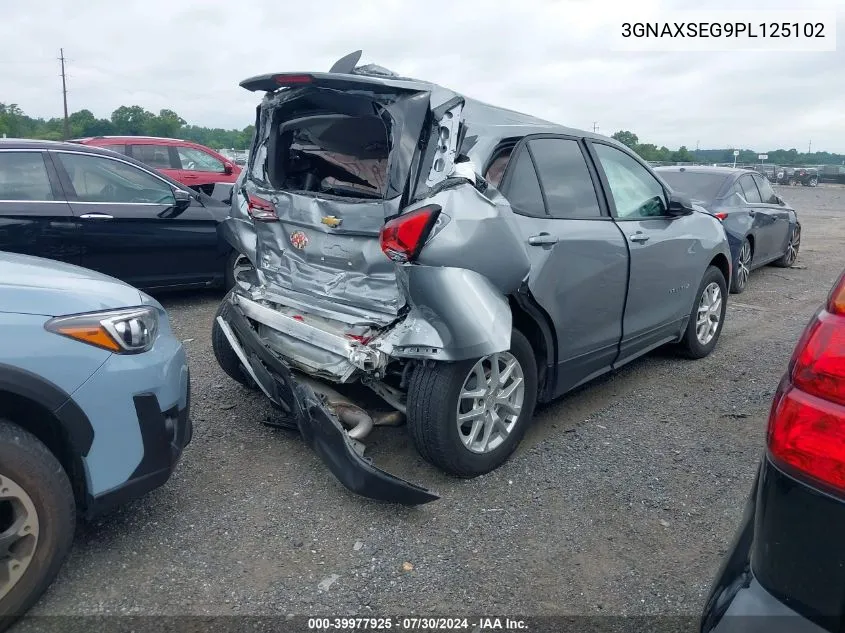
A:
[319,427]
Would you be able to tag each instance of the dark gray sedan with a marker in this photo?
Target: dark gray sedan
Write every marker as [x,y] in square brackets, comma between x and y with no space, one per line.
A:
[761,227]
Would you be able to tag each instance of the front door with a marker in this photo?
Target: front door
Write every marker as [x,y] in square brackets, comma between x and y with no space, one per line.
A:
[664,269]
[131,227]
[777,215]
[35,219]
[579,261]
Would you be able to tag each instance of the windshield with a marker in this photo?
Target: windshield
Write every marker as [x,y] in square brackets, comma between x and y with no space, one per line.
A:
[697,185]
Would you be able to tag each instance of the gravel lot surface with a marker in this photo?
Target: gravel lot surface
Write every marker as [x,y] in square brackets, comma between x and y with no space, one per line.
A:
[621,500]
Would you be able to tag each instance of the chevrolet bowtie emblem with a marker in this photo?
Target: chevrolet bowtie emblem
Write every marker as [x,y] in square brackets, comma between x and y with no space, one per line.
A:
[331,221]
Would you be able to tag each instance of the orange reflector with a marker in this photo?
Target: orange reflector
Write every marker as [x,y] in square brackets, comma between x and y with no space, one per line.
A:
[91,335]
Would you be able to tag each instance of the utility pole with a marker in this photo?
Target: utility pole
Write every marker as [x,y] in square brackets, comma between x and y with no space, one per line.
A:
[64,93]
[595,126]
[810,147]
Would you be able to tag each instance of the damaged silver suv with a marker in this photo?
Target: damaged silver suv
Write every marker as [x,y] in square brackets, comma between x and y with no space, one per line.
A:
[461,261]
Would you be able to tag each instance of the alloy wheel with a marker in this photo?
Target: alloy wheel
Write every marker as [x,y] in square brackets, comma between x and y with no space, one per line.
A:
[743,265]
[490,402]
[793,246]
[19,529]
[709,313]
[241,264]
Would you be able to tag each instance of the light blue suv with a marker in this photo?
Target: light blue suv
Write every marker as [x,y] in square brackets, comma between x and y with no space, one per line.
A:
[94,410]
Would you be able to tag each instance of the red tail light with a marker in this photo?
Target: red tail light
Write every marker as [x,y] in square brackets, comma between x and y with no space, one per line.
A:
[403,237]
[261,209]
[807,422]
[721,215]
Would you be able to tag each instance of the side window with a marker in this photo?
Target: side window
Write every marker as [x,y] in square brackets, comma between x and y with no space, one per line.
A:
[522,188]
[120,149]
[157,156]
[565,178]
[23,176]
[636,193]
[749,189]
[767,194]
[99,179]
[196,160]
[496,170]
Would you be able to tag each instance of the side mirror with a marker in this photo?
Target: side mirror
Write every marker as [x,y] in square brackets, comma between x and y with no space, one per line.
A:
[679,205]
[780,200]
[228,168]
[183,199]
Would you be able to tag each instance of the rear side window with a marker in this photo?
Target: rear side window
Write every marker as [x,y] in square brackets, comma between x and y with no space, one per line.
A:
[23,176]
[157,156]
[565,178]
[197,160]
[767,194]
[120,149]
[336,154]
[749,189]
[522,188]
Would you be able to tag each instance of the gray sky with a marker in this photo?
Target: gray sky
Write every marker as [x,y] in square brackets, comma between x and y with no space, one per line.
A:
[554,59]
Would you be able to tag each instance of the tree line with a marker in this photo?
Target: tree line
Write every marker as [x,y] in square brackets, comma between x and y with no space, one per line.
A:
[125,121]
[683,155]
[136,121]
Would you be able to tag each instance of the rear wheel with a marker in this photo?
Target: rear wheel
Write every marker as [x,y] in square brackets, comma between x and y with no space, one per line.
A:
[468,417]
[743,268]
[223,352]
[791,254]
[707,316]
[813,181]
[37,520]
[235,263]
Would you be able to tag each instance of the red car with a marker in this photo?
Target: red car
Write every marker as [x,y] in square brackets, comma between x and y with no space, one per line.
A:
[191,164]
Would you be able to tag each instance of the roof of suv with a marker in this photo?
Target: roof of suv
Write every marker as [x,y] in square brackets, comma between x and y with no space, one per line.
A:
[703,169]
[162,140]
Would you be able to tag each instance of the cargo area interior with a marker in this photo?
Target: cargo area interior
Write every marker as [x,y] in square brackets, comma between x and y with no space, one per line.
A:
[323,142]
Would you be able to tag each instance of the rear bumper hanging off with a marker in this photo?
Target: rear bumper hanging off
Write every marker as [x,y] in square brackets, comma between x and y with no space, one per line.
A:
[319,427]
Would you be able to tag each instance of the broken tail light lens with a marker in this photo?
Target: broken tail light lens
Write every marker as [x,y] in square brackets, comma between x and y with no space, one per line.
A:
[403,237]
[261,209]
[807,422]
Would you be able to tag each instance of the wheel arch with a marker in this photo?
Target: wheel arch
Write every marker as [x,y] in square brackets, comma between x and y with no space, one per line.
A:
[721,262]
[45,410]
[530,319]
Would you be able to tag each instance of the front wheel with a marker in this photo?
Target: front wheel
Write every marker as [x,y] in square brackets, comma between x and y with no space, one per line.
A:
[468,417]
[813,182]
[707,316]
[37,520]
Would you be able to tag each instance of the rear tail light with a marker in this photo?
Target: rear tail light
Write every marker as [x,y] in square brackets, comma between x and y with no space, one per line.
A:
[403,237]
[261,209]
[722,216]
[807,422]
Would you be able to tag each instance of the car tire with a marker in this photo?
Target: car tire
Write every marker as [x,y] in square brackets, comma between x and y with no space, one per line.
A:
[791,182]
[35,495]
[223,352]
[234,261]
[434,403]
[792,247]
[705,312]
[739,281]
[813,182]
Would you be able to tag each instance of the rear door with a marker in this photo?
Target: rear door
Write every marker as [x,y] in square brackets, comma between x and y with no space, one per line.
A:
[779,214]
[131,228]
[579,261]
[764,223]
[35,218]
[665,263]
[198,168]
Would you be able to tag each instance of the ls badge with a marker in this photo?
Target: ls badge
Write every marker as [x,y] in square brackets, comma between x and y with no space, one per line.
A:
[331,221]
[299,239]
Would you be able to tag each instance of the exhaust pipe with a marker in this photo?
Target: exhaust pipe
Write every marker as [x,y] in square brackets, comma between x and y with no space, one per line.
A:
[349,413]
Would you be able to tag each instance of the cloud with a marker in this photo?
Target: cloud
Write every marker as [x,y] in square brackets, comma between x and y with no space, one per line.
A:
[550,58]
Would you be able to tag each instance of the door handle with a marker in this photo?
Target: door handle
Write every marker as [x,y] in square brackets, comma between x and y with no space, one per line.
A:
[543,239]
[96,216]
[638,237]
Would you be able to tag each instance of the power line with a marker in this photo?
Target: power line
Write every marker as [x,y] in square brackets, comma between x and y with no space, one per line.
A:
[64,93]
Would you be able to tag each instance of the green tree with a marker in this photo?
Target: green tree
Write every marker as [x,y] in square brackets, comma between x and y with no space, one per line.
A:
[132,120]
[626,138]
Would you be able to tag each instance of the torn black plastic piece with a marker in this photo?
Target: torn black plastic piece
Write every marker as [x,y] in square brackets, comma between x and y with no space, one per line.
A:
[319,427]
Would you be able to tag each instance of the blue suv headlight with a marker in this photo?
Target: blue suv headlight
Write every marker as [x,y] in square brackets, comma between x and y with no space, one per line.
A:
[125,331]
